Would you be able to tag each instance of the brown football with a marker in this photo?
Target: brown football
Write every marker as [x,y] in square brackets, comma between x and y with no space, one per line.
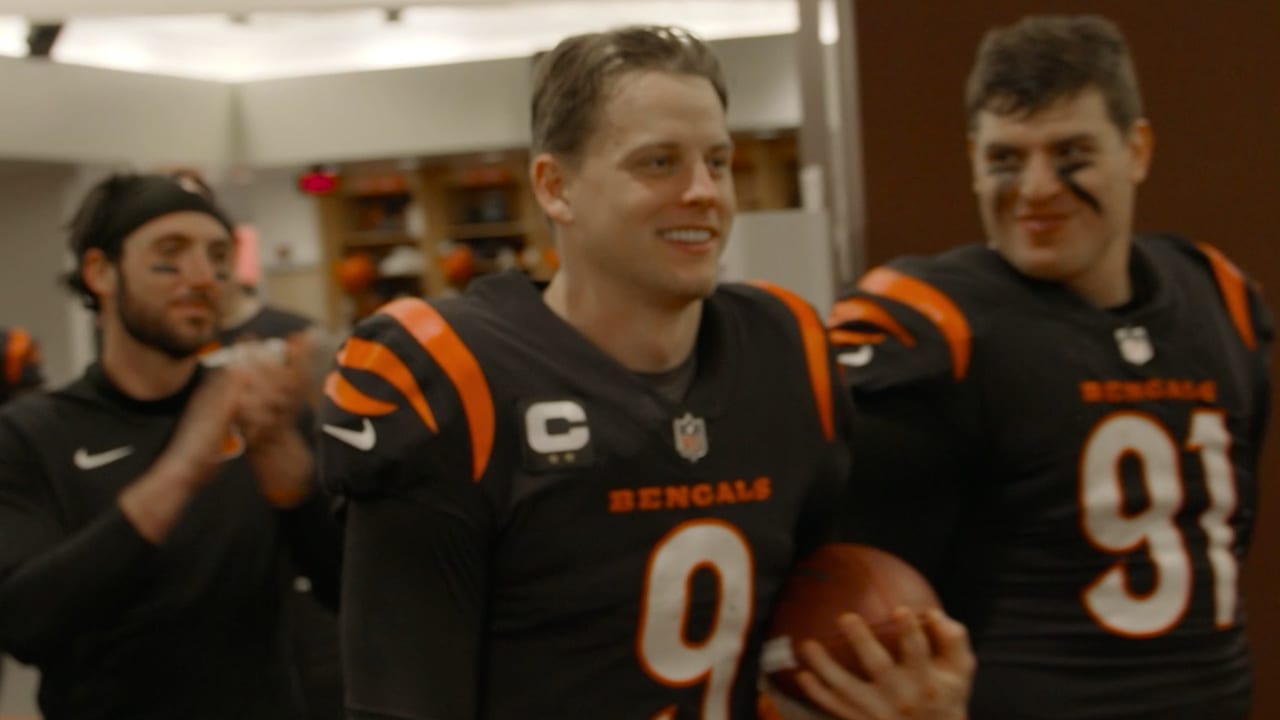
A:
[837,579]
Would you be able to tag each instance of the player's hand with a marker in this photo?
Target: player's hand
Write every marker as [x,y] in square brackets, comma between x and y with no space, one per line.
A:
[200,440]
[276,389]
[276,373]
[929,682]
[154,503]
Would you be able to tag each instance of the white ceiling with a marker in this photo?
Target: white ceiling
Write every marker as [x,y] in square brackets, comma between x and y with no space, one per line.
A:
[236,40]
[56,9]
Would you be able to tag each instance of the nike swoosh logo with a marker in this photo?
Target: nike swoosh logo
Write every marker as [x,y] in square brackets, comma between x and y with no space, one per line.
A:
[363,439]
[91,461]
[857,358]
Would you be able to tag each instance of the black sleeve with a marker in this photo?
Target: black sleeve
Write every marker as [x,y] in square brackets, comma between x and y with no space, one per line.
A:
[312,531]
[55,583]
[314,537]
[414,604]
[912,477]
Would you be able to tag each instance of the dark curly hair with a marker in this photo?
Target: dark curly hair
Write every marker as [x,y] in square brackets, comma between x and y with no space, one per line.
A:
[1025,67]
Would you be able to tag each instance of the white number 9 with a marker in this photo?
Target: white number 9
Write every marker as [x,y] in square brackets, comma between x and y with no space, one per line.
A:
[662,645]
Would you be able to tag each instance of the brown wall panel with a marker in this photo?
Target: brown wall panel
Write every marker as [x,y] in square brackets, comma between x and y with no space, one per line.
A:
[1210,74]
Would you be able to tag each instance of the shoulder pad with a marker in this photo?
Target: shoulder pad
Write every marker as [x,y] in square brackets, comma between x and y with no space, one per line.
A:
[796,312]
[1242,297]
[403,379]
[899,327]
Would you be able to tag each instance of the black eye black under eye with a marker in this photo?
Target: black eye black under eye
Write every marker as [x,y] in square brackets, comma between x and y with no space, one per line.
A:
[1073,167]
[164,268]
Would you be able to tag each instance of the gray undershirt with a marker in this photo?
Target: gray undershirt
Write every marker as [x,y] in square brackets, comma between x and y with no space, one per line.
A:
[672,385]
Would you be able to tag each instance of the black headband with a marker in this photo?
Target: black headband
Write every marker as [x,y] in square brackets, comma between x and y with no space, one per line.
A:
[131,201]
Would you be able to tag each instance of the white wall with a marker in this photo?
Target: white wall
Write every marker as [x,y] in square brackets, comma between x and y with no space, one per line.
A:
[283,216]
[763,78]
[68,113]
[464,107]
[785,247]
[35,201]
[393,113]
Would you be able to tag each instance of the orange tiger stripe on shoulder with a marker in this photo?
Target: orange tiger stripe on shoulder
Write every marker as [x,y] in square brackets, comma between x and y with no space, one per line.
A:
[851,337]
[350,398]
[1235,292]
[360,354]
[852,310]
[817,355]
[933,304]
[434,334]
[15,354]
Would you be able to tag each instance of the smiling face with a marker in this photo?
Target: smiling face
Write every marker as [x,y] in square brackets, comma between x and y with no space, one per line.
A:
[649,204]
[1056,190]
[164,288]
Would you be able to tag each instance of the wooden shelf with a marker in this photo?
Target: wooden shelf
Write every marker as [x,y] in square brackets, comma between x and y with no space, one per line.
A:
[379,239]
[483,203]
[472,231]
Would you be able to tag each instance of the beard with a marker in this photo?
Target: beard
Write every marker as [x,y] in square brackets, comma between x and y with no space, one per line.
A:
[148,327]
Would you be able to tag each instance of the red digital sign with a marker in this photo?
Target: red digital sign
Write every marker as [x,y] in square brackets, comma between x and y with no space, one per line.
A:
[318,181]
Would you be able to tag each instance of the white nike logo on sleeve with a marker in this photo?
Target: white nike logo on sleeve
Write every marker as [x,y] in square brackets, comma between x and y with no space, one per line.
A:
[857,358]
[85,460]
[363,439]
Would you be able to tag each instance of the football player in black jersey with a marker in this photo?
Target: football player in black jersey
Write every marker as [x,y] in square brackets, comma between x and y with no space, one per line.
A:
[581,501]
[143,507]
[1072,413]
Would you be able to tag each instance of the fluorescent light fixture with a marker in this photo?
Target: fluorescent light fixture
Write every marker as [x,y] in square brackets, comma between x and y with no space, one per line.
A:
[13,36]
[273,45]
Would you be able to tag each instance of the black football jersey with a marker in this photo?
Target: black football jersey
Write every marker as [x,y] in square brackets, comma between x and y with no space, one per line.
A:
[118,627]
[1079,483]
[621,552]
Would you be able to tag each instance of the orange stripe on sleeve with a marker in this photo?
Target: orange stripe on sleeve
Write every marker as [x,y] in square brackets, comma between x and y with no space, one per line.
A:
[933,304]
[1235,292]
[849,337]
[349,398]
[817,355]
[433,333]
[866,311]
[361,354]
[15,353]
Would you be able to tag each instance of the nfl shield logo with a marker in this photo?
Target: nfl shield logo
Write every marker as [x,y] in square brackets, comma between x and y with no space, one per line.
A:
[690,436]
[1135,346]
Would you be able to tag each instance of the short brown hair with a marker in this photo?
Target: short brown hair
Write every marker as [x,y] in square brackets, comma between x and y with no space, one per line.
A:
[570,81]
[1025,67]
